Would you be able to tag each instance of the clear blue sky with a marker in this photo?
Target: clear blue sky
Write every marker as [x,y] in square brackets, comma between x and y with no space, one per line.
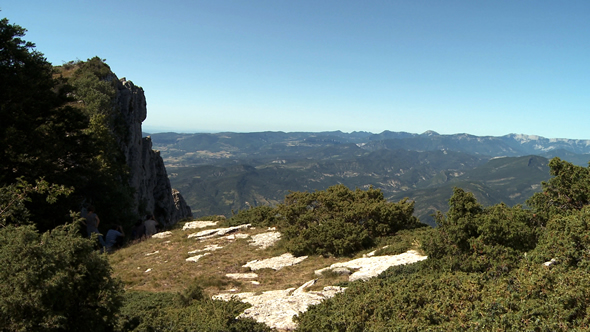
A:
[481,67]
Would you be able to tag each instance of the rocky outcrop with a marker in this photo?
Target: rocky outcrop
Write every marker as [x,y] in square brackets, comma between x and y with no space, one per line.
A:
[277,308]
[148,176]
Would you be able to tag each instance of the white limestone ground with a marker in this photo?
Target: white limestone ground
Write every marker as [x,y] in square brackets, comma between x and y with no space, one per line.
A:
[242,275]
[369,267]
[196,258]
[211,233]
[265,240]
[198,224]
[153,253]
[162,235]
[277,308]
[232,237]
[275,263]
[211,247]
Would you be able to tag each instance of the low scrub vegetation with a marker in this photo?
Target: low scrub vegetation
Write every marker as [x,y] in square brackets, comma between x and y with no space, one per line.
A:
[495,268]
[333,222]
[189,310]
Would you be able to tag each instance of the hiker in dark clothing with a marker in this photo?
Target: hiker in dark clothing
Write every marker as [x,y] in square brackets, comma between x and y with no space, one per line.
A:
[92,221]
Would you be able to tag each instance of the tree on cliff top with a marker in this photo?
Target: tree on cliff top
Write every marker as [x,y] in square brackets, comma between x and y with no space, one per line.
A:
[62,130]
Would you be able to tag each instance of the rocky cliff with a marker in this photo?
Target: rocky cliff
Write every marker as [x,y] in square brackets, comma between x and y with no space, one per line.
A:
[148,176]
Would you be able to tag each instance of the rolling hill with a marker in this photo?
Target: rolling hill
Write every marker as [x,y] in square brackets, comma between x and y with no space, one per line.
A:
[225,172]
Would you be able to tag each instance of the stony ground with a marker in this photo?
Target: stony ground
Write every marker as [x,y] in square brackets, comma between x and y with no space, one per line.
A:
[246,263]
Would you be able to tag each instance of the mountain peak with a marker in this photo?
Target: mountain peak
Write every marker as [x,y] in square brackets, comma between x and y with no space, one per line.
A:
[430,133]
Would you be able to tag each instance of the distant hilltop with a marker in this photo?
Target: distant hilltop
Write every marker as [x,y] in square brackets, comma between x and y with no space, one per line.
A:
[510,145]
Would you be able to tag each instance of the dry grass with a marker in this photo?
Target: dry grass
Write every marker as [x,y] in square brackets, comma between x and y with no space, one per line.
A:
[172,273]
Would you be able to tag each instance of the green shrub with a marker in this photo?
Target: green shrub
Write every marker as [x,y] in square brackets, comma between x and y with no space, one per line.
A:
[259,216]
[139,309]
[54,281]
[471,238]
[566,240]
[567,191]
[339,221]
[421,297]
[188,311]
[211,218]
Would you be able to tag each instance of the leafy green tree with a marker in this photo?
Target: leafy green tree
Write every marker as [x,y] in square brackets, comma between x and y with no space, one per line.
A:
[65,130]
[566,192]
[13,198]
[50,281]
[40,134]
[566,240]
[339,221]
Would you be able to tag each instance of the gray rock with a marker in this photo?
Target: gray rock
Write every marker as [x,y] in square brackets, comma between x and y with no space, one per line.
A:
[265,240]
[275,263]
[369,267]
[147,171]
[276,308]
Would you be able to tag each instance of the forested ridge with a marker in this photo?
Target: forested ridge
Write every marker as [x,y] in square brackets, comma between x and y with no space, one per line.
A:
[495,267]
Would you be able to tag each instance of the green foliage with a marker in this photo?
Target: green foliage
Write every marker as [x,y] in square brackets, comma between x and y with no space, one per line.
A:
[484,272]
[420,298]
[259,216]
[566,240]
[42,136]
[212,218]
[107,188]
[475,239]
[45,135]
[54,281]
[339,221]
[13,198]
[189,311]
[567,191]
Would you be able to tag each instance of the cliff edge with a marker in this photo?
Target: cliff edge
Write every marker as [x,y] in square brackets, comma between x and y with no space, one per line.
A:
[148,176]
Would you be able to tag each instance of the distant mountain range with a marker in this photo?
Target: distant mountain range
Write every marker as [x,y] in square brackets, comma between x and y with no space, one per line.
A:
[224,172]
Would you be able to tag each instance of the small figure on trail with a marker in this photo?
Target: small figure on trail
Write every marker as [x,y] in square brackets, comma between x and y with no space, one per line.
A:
[115,237]
[150,226]
[138,230]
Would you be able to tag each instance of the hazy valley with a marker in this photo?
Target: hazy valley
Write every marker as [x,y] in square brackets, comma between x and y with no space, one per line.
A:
[224,172]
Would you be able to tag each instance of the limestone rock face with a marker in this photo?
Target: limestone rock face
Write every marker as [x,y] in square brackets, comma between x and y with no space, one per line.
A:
[148,176]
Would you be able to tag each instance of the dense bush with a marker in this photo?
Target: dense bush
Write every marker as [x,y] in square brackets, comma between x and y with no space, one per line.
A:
[339,221]
[259,216]
[420,298]
[566,240]
[54,281]
[471,238]
[188,311]
[567,191]
[485,270]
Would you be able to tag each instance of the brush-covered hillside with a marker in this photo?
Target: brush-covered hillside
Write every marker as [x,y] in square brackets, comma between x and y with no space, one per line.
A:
[220,174]
[487,268]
